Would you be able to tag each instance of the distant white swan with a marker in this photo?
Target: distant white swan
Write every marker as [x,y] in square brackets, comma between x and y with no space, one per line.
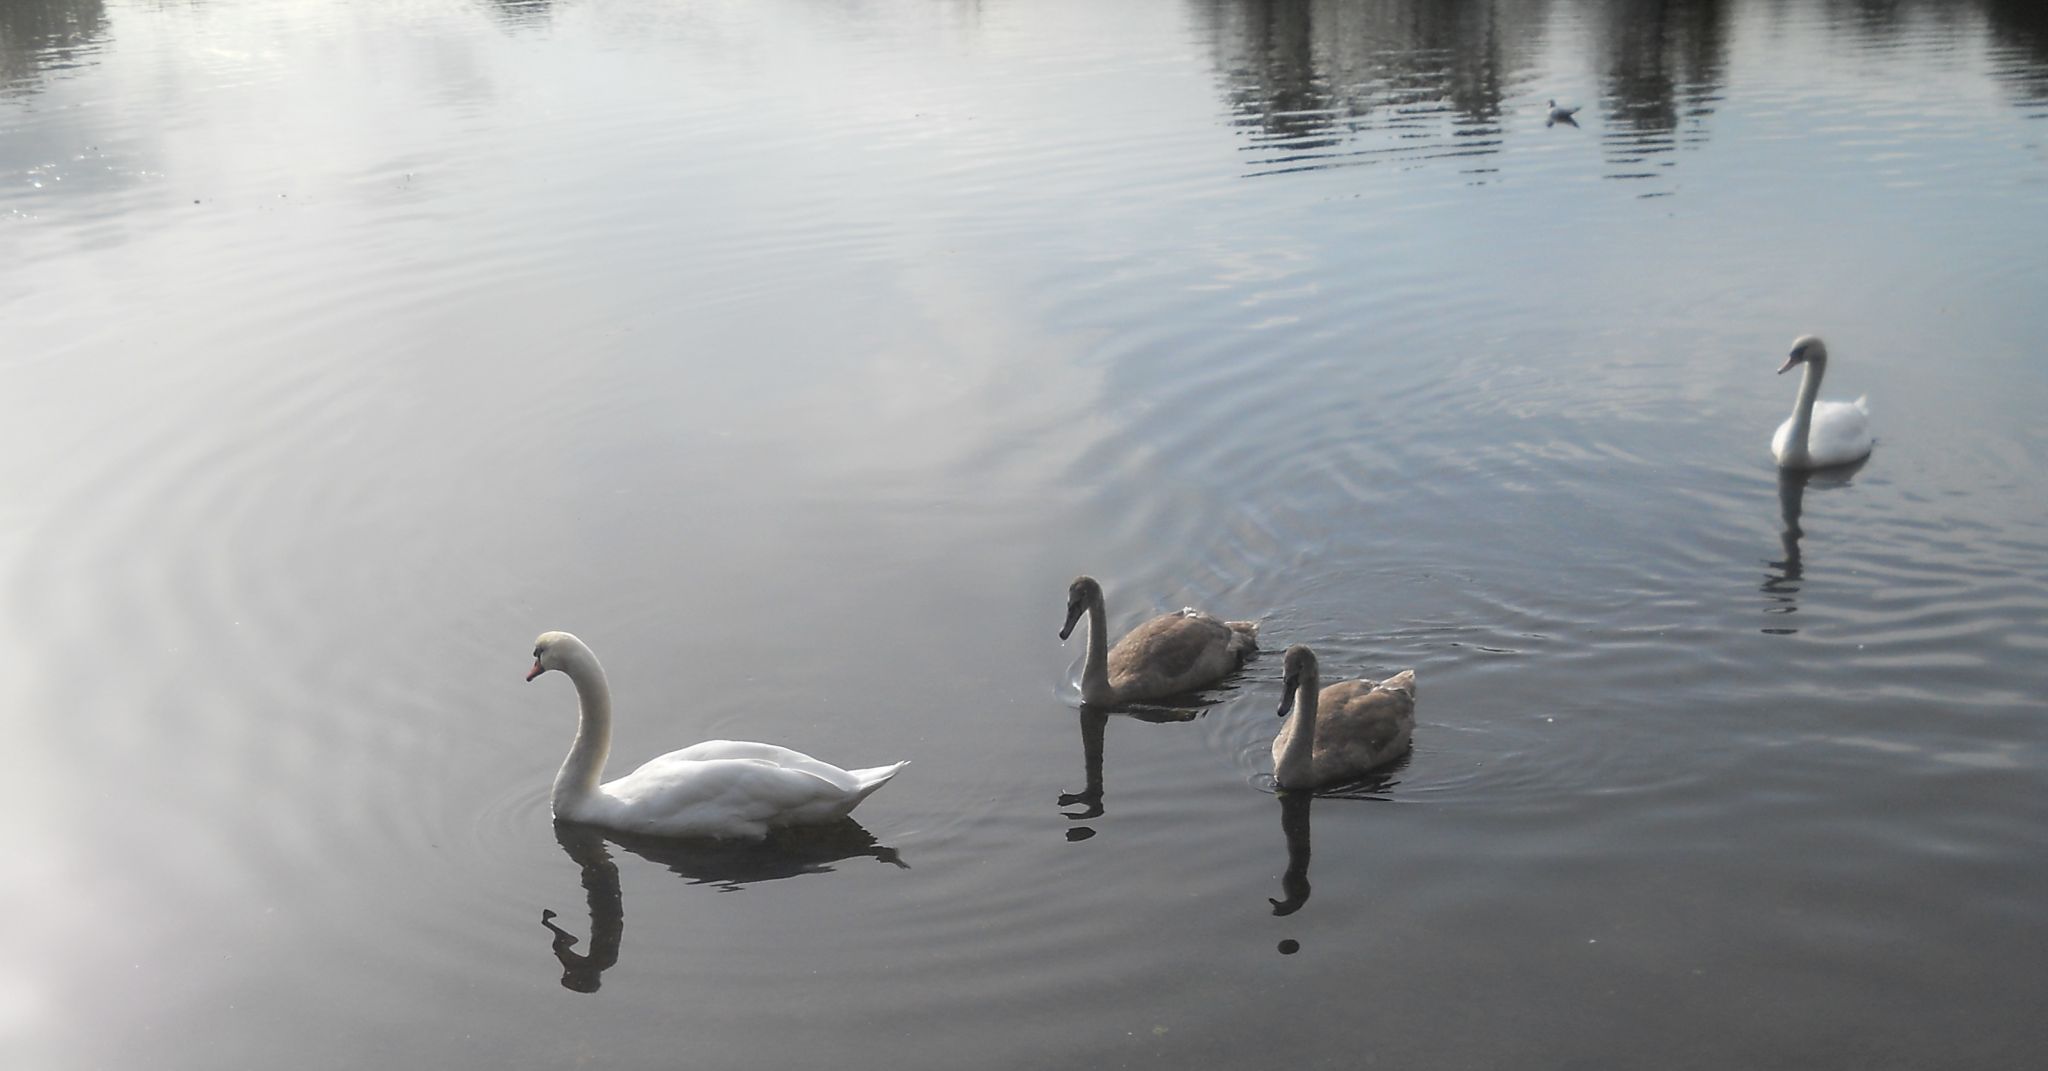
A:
[1343,732]
[1168,655]
[1561,115]
[719,788]
[1819,434]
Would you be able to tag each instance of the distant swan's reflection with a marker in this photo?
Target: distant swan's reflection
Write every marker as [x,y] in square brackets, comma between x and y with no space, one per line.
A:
[1094,724]
[1782,585]
[731,865]
[1294,807]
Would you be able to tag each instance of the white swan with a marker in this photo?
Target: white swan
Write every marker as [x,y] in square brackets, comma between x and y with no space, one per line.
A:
[1168,655]
[1819,434]
[1342,732]
[719,788]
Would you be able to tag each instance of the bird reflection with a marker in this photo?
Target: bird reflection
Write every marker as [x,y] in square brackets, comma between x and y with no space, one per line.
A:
[583,973]
[1294,807]
[1781,585]
[1294,823]
[730,865]
[1094,725]
[1089,799]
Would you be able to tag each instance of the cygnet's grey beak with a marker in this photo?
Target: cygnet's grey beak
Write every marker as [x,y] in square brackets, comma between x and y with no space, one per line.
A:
[1787,366]
[536,671]
[1287,697]
[1073,615]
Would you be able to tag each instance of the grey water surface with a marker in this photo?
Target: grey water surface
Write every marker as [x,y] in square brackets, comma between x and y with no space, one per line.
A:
[797,353]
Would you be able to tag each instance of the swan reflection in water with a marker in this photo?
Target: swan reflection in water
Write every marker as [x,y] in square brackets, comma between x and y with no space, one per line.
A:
[1782,584]
[730,865]
[1294,825]
[1294,805]
[1094,724]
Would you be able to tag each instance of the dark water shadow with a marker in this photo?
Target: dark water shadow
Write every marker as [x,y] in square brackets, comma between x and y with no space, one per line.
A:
[730,865]
[1785,577]
[40,36]
[520,13]
[1094,727]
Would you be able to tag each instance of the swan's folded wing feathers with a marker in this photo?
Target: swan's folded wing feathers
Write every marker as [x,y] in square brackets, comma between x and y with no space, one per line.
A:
[847,780]
[1169,645]
[1374,714]
[676,794]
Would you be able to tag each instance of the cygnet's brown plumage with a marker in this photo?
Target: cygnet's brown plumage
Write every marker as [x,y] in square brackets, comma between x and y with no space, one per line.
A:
[1168,655]
[1343,732]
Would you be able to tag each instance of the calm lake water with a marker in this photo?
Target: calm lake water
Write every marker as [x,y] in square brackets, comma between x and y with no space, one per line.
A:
[797,353]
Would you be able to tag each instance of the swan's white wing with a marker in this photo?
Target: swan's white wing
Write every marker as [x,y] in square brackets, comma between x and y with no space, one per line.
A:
[780,756]
[673,795]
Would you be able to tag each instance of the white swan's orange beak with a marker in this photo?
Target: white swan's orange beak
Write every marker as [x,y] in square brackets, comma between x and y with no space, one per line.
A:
[536,671]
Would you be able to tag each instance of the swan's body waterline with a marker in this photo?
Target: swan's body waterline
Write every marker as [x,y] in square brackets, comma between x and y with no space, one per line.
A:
[1819,434]
[1169,655]
[719,788]
[1342,732]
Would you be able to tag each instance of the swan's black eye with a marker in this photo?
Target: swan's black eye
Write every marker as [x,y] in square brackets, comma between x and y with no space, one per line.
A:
[537,651]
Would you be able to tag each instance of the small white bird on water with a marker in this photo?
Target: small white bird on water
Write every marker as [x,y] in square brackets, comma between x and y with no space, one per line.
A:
[1561,115]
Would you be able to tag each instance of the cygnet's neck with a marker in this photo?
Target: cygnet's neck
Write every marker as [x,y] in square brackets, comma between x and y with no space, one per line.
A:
[1296,767]
[584,768]
[1095,670]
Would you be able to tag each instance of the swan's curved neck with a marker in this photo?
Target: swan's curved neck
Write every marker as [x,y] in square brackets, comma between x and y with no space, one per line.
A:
[1095,671]
[1802,410]
[1297,763]
[584,767]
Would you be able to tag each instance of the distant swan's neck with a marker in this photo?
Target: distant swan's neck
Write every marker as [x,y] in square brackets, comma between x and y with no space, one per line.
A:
[1802,410]
[1297,764]
[584,767]
[1095,671]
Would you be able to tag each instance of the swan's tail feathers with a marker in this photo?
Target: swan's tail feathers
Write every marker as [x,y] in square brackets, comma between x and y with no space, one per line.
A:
[1863,404]
[1247,635]
[1403,681]
[875,777]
